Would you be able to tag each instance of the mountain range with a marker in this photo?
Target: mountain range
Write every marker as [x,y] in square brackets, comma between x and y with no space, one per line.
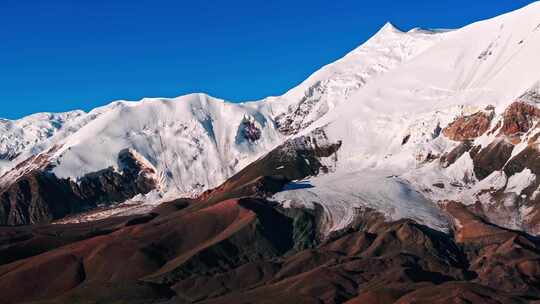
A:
[407,171]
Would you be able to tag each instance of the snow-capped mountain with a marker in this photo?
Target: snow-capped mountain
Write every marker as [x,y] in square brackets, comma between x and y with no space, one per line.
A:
[394,125]
[193,143]
[333,84]
[420,118]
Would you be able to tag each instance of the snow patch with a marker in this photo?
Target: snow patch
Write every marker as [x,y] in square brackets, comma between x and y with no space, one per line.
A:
[520,181]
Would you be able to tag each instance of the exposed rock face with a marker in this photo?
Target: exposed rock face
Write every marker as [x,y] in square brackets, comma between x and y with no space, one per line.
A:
[510,152]
[491,158]
[295,159]
[249,130]
[298,117]
[528,159]
[502,203]
[108,186]
[451,157]
[469,127]
[519,118]
[39,196]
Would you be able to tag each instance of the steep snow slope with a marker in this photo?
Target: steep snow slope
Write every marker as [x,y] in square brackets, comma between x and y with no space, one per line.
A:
[195,141]
[487,63]
[335,83]
[24,134]
[385,50]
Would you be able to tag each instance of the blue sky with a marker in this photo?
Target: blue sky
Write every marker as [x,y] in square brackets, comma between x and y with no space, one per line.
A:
[59,55]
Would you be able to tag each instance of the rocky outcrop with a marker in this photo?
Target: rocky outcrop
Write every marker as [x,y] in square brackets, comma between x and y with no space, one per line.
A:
[510,152]
[512,200]
[529,198]
[451,157]
[248,130]
[136,176]
[39,196]
[491,158]
[519,118]
[295,159]
[529,158]
[469,127]
[298,116]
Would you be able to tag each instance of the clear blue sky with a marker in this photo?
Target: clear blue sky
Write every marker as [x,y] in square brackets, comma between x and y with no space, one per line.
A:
[59,55]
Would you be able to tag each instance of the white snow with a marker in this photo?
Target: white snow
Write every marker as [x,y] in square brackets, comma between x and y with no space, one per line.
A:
[192,141]
[341,193]
[536,193]
[334,83]
[18,136]
[520,181]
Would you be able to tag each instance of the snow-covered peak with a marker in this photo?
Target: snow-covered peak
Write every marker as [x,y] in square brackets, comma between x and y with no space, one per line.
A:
[488,62]
[388,29]
[194,141]
[387,48]
[334,83]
